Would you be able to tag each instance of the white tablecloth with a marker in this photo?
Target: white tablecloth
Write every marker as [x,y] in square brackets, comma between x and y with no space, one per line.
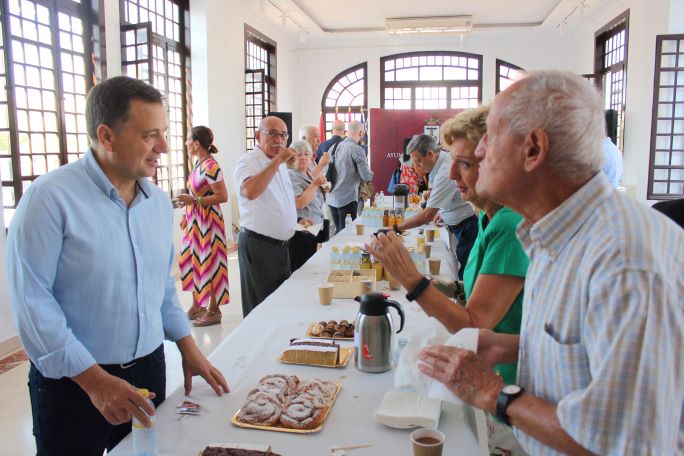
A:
[251,351]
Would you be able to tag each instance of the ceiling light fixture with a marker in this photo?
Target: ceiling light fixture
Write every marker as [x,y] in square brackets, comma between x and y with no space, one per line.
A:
[430,24]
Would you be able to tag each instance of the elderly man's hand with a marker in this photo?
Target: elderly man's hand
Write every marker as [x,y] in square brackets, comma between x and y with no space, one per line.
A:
[195,363]
[325,159]
[438,220]
[393,255]
[285,155]
[463,373]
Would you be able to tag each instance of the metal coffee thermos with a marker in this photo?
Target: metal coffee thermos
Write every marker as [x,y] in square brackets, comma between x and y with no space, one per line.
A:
[373,333]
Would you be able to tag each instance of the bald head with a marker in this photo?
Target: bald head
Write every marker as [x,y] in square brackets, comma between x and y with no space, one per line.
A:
[338,127]
[272,135]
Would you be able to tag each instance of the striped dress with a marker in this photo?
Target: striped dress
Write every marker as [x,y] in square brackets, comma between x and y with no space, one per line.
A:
[203,260]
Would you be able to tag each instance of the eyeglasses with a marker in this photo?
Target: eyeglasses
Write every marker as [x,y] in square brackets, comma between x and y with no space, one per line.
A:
[276,134]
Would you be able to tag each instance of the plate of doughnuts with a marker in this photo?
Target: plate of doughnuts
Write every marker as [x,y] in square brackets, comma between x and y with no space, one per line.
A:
[331,329]
[285,403]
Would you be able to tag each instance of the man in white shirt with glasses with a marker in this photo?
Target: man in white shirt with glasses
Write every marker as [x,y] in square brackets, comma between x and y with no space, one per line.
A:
[267,213]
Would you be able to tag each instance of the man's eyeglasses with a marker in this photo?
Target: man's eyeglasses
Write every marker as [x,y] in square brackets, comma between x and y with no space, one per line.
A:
[275,134]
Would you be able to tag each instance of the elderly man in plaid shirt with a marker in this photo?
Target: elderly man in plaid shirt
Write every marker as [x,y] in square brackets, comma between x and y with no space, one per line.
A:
[600,354]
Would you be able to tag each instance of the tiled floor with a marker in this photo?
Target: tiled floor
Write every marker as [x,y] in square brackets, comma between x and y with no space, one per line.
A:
[15,420]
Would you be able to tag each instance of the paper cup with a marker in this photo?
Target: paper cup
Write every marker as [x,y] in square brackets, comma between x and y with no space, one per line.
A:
[359,229]
[427,442]
[325,293]
[435,264]
[429,234]
[427,248]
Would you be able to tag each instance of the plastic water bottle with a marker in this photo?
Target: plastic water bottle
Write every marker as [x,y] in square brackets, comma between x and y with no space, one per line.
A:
[334,258]
[356,258]
[144,439]
[381,199]
[421,260]
[348,221]
[345,261]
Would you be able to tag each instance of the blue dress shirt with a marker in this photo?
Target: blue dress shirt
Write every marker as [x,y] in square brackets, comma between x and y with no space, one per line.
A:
[89,277]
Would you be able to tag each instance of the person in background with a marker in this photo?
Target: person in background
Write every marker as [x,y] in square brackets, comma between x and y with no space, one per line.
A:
[338,132]
[309,133]
[90,251]
[307,187]
[600,346]
[444,197]
[309,194]
[267,213]
[612,164]
[494,275]
[352,167]
[203,259]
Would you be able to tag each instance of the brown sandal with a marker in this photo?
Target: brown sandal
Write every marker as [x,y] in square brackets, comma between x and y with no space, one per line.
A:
[208,318]
[195,312]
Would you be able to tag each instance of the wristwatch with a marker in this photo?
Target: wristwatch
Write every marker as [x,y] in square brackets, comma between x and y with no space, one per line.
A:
[508,394]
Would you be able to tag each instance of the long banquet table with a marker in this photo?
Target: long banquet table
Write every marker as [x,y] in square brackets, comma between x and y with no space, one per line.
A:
[252,349]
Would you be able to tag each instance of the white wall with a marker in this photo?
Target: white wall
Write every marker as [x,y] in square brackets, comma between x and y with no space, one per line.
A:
[646,20]
[530,49]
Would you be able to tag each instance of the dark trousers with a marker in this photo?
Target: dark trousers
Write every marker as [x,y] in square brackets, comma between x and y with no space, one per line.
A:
[66,422]
[340,213]
[466,233]
[264,266]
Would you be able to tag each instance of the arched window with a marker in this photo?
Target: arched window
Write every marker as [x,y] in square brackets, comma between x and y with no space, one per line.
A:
[431,80]
[346,97]
[506,74]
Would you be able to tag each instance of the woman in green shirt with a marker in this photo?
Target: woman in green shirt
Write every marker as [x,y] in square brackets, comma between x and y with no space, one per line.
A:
[495,273]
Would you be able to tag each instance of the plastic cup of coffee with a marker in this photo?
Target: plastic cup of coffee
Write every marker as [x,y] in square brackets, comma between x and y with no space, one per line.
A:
[393,282]
[427,248]
[429,234]
[359,229]
[325,293]
[435,264]
[427,442]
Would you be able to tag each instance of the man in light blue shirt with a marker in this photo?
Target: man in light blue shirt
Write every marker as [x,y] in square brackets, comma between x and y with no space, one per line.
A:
[352,167]
[612,166]
[444,198]
[89,261]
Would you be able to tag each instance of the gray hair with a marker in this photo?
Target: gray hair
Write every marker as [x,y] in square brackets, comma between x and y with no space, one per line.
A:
[355,126]
[421,144]
[568,109]
[304,130]
[338,125]
[301,146]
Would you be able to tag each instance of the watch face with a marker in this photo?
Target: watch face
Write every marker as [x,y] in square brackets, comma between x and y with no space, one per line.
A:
[511,389]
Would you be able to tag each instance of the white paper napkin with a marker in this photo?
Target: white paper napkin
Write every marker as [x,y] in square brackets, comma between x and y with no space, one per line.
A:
[431,333]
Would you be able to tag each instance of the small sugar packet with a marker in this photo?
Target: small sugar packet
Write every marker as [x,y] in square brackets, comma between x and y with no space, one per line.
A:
[188,408]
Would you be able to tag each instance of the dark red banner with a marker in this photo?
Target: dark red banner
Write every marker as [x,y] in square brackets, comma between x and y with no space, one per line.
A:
[389,128]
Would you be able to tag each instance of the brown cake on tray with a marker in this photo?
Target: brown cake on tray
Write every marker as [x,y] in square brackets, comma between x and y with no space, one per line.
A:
[312,351]
[220,451]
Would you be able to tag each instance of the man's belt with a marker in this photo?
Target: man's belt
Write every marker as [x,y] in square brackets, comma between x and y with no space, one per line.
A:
[255,235]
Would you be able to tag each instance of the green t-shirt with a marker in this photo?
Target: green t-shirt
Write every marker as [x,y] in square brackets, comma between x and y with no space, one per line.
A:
[497,250]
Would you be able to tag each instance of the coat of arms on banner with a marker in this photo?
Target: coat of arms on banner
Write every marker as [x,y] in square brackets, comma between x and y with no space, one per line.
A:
[432,128]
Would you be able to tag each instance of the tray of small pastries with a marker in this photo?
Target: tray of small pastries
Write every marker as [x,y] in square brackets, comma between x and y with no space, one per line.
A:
[230,449]
[285,403]
[331,329]
[316,352]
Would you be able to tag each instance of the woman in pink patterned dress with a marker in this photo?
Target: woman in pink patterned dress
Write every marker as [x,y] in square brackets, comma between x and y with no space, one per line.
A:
[203,260]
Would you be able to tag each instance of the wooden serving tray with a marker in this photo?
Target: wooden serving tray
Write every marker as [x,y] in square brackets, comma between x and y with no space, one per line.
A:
[239,423]
[345,356]
[309,333]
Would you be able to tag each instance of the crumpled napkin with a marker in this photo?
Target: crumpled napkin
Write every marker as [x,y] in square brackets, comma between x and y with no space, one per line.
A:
[432,332]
